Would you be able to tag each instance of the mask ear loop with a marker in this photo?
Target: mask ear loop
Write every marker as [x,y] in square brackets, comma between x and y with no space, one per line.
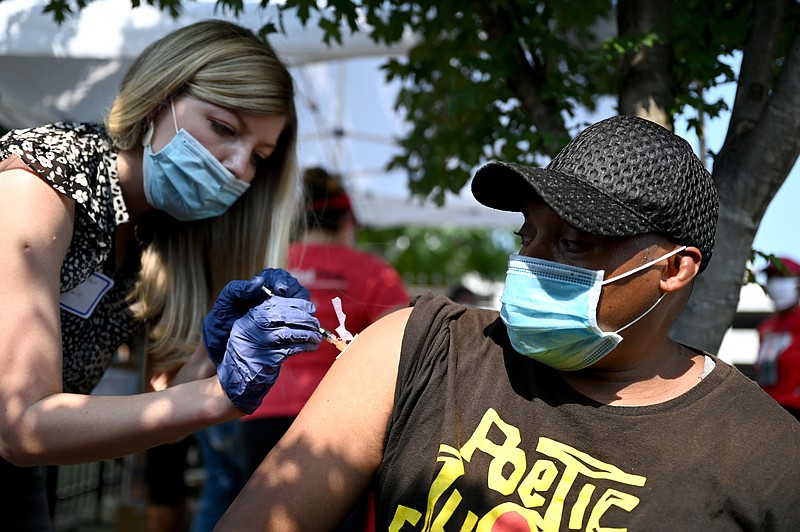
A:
[148,135]
[638,269]
[645,265]
[643,315]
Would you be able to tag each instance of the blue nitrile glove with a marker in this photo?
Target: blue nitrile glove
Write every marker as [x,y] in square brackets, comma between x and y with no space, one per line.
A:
[260,342]
[236,298]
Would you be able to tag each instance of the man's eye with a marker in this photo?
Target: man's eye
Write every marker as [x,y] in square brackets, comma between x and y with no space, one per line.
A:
[573,246]
[523,238]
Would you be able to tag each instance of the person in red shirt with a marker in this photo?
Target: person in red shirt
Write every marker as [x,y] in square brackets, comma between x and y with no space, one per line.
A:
[324,261]
[778,365]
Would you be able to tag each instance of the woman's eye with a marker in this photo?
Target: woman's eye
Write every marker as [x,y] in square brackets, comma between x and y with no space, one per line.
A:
[259,158]
[222,129]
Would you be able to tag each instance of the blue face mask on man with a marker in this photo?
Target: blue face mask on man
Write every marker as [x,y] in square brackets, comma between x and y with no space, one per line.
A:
[550,311]
[185,180]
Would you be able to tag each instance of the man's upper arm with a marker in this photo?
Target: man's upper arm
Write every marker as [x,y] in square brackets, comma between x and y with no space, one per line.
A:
[332,451]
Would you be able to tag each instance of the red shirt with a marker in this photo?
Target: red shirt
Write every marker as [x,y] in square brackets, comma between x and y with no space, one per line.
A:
[778,362]
[368,287]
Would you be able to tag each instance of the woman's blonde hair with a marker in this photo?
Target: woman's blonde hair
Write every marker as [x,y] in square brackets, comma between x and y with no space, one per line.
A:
[185,264]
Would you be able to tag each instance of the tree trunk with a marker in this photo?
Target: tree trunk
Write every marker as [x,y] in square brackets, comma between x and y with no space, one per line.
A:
[760,150]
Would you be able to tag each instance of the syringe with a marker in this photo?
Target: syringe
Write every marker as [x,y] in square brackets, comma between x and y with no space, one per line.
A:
[329,337]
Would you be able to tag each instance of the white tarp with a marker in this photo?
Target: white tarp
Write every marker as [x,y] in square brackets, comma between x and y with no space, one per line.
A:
[347,122]
[65,68]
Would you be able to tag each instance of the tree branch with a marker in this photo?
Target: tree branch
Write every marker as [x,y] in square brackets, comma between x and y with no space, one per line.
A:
[756,74]
[529,75]
[644,78]
[764,133]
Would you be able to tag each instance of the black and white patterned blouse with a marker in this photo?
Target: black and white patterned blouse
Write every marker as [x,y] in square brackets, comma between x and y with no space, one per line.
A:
[79,161]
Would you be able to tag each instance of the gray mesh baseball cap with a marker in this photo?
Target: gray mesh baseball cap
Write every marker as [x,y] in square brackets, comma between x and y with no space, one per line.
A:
[622,176]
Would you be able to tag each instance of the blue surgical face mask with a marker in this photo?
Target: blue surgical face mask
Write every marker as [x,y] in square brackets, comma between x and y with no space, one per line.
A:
[550,311]
[185,180]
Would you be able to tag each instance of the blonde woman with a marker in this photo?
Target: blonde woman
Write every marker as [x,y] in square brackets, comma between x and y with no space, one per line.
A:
[138,224]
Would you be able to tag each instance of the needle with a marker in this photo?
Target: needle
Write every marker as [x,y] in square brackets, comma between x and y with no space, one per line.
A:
[333,339]
[328,335]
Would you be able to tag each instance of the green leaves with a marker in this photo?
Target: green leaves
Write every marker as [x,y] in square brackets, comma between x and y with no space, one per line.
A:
[500,79]
[61,9]
[751,274]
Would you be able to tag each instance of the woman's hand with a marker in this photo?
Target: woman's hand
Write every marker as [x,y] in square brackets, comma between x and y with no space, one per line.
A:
[236,298]
[259,343]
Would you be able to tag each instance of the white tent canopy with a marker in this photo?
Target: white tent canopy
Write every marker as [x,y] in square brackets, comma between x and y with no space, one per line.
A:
[347,122]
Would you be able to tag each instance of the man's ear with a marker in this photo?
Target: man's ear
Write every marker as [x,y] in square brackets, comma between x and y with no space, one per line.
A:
[683,268]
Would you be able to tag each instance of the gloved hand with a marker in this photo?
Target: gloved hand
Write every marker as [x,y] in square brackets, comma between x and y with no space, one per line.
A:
[260,342]
[236,298]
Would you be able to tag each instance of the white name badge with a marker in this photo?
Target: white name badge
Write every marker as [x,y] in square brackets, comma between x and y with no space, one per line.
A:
[83,299]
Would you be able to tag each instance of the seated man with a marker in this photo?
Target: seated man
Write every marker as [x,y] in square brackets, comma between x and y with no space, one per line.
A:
[571,408]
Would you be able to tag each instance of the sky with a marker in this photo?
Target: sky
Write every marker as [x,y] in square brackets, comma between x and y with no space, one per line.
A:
[778,232]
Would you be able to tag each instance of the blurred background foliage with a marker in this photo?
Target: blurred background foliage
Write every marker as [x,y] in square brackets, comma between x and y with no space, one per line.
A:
[441,255]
